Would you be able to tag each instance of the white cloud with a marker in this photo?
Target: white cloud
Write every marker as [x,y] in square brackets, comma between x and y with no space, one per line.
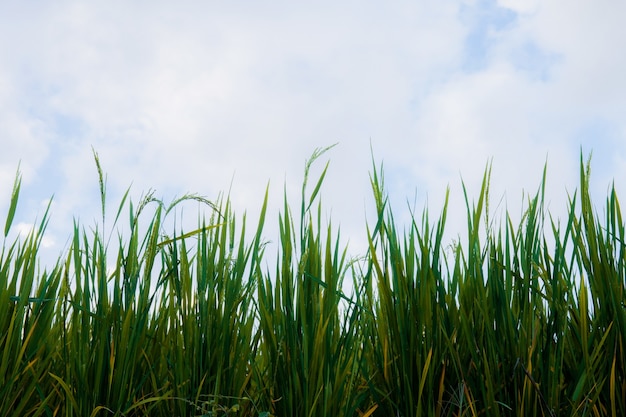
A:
[25,230]
[521,6]
[187,98]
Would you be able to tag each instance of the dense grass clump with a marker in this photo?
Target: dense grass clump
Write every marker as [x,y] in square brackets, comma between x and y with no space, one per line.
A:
[195,323]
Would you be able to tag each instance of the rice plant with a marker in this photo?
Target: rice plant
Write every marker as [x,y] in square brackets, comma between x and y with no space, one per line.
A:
[27,320]
[165,322]
[311,357]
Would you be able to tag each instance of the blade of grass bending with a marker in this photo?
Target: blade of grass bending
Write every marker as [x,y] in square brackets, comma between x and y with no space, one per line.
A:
[305,208]
[189,234]
[339,293]
[66,389]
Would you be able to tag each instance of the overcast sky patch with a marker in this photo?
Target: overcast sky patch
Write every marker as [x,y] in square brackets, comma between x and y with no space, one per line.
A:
[229,98]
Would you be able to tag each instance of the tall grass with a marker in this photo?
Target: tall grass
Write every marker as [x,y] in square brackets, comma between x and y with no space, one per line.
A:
[190,323]
[311,357]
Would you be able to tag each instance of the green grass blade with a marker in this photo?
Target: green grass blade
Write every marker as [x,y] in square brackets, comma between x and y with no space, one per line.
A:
[13,205]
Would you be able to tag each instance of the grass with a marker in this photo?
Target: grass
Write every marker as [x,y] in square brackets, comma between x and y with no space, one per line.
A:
[175,323]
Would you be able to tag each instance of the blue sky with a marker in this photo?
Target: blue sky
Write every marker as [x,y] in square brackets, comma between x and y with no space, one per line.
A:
[218,97]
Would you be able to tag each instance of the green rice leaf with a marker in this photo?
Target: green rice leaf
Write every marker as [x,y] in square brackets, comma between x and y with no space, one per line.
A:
[13,205]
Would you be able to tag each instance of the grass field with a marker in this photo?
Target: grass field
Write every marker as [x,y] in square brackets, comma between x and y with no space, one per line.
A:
[196,324]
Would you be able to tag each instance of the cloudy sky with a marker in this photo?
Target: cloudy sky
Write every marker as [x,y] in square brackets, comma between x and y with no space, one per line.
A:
[217,97]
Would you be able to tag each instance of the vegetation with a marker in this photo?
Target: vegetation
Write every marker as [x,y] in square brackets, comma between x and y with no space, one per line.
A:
[191,324]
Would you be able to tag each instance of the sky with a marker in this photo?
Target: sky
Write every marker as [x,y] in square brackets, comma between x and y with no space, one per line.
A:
[228,98]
